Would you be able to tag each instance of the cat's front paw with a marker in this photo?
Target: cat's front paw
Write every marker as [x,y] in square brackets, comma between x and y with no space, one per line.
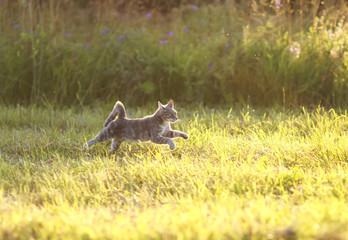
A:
[185,136]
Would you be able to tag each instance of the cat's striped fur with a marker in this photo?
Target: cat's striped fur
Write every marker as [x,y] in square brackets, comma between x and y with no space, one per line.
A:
[155,128]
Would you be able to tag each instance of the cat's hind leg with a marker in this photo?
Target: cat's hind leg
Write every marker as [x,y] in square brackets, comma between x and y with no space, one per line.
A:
[116,143]
[104,135]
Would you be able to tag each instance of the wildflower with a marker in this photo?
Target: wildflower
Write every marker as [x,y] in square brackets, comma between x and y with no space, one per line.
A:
[160,42]
[278,3]
[16,25]
[194,7]
[121,38]
[228,45]
[209,65]
[106,31]
[171,33]
[67,35]
[186,29]
[328,31]
[149,15]
[165,41]
[295,49]
[85,46]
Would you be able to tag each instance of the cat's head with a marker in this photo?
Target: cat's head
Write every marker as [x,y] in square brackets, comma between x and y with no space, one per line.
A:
[167,112]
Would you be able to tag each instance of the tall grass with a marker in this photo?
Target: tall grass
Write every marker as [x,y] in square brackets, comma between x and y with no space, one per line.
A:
[242,174]
[59,52]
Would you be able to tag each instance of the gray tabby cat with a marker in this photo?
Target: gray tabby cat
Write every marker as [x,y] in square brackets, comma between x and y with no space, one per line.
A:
[155,128]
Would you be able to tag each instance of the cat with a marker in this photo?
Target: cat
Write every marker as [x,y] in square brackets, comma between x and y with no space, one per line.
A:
[155,128]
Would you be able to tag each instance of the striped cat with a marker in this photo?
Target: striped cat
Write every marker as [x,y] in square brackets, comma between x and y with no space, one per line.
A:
[155,128]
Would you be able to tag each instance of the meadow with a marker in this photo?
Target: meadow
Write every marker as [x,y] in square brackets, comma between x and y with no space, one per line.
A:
[261,91]
[243,174]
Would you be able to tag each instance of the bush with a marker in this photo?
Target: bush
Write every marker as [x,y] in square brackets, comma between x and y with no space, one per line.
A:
[211,54]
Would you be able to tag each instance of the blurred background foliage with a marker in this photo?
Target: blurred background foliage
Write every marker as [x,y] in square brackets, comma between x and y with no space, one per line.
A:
[265,53]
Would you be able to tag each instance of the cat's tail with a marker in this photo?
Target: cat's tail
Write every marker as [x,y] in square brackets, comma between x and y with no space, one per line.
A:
[118,111]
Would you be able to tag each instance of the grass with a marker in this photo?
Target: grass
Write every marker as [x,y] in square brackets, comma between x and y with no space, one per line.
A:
[243,174]
[60,53]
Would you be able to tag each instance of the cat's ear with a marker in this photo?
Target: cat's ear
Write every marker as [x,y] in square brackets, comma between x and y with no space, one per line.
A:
[171,103]
[160,106]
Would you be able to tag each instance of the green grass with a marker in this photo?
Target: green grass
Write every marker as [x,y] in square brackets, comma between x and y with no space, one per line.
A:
[243,174]
[61,53]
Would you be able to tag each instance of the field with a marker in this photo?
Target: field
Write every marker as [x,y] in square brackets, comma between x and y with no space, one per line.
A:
[243,174]
[261,88]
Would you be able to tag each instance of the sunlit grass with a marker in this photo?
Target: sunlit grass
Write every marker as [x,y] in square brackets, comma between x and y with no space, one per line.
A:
[243,173]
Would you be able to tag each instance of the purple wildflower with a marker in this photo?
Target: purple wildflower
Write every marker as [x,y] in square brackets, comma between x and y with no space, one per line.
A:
[242,49]
[186,29]
[171,33]
[194,7]
[288,49]
[278,3]
[228,45]
[295,49]
[106,31]
[85,46]
[121,38]
[16,25]
[329,31]
[209,65]
[166,41]
[149,15]
[67,35]
[160,42]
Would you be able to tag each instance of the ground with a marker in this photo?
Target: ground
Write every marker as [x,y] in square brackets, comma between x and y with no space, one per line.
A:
[263,174]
